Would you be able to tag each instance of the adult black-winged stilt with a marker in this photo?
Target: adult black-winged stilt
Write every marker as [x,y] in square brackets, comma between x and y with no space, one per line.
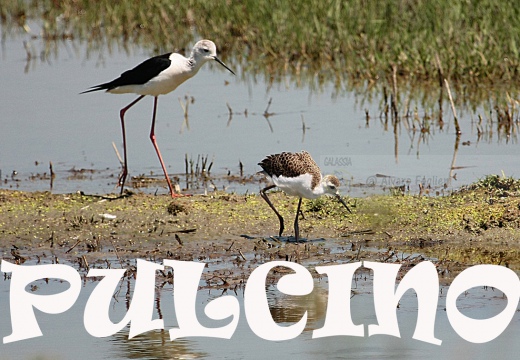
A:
[297,174]
[157,76]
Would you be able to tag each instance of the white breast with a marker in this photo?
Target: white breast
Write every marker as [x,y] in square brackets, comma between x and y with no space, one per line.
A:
[168,80]
[296,186]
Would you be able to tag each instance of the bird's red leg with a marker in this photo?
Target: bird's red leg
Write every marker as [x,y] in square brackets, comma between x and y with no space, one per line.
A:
[123,175]
[154,142]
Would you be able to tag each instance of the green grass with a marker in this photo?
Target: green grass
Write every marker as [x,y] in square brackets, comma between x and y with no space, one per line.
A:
[496,185]
[349,43]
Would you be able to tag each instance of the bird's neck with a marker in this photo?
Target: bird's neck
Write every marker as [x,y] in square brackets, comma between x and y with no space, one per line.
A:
[194,64]
[319,189]
[191,62]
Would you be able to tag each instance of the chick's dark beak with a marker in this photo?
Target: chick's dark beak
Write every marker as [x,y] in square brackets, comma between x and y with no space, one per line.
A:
[343,202]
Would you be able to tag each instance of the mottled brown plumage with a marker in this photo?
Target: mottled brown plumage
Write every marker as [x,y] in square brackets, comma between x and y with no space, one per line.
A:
[297,174]
[292,165]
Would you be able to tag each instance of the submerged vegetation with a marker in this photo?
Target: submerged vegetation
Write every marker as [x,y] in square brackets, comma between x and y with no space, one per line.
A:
[345,42]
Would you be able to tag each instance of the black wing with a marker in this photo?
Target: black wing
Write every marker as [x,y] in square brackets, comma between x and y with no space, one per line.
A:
[141,74]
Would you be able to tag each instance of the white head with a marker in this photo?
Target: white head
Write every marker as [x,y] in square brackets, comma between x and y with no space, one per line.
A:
[205,50]
[330,185]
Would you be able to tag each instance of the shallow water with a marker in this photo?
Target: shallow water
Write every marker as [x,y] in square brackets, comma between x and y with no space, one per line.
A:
[44,119]
[65,337]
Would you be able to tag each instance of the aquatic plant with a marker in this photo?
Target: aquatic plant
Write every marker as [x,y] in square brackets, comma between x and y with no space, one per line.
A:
[353,44]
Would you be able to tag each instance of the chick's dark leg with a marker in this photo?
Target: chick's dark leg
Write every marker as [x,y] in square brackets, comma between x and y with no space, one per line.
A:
[296,228]
[264,196]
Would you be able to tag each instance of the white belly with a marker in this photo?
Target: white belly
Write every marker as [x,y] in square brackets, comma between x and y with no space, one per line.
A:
[160,85]
[298,186]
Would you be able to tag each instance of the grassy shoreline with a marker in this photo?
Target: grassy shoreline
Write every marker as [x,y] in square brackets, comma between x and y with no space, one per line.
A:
[469,42]
[476,225]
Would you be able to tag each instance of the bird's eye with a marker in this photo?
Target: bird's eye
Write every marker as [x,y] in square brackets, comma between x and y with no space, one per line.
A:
[206,50]
[332,187]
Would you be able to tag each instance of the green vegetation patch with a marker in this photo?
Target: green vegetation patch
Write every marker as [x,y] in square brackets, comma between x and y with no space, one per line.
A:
[478,224]
[364,40]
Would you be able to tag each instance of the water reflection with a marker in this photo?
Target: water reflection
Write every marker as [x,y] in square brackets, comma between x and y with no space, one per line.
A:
[65,337]
[46,33]
[290,309]
[153,345]
[387,126]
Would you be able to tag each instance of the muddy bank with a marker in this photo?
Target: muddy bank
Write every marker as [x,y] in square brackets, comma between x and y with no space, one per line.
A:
[478,225]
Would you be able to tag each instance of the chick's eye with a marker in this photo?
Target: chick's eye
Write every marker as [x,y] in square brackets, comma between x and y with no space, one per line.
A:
[332,187]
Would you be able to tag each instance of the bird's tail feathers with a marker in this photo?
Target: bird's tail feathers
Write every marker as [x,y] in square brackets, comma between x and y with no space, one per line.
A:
[95,88]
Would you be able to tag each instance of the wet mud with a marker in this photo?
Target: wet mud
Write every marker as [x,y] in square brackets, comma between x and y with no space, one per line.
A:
[235,233]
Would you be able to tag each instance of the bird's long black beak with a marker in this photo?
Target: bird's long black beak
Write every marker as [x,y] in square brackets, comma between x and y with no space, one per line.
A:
[343,202]
[221,63]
